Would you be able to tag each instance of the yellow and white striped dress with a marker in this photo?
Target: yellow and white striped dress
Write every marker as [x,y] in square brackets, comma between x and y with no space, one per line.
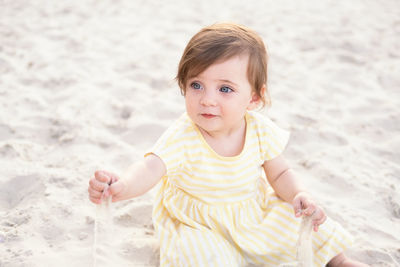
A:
[212,210]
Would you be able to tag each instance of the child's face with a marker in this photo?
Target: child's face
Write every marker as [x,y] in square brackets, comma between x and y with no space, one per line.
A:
[217,99]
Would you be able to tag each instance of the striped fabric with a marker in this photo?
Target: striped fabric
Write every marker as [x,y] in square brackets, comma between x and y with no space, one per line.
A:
[212,210]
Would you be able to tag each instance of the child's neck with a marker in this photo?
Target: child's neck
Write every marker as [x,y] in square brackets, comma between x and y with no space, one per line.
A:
[229,143]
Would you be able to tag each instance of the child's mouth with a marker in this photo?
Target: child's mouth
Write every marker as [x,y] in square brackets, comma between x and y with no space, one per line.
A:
[208,116]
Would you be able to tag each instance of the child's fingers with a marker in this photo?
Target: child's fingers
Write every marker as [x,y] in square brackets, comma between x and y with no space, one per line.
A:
[319,218]
[94,193]
[113,177]
[94,196]
[107,177]
[309,211]
[97,185]
[317,223]
[300,202]
[102,176]
[297,208]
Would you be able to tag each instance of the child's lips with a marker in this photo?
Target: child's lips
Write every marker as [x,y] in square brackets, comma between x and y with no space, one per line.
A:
[208,115]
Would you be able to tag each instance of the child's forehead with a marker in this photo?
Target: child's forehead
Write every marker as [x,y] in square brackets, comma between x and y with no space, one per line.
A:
[239,60]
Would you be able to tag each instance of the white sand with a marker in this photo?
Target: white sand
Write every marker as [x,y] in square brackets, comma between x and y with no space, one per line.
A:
[89,84]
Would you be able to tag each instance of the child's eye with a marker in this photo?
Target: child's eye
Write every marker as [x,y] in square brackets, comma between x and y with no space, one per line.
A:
[195,85]
[225,89]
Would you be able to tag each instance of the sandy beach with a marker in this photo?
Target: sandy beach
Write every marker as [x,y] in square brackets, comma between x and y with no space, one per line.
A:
[87,85]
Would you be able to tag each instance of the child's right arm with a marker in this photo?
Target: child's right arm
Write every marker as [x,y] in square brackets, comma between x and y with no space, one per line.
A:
[137,180]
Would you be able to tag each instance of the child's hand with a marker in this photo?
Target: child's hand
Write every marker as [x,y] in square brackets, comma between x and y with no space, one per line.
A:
[103,185]
[304,205]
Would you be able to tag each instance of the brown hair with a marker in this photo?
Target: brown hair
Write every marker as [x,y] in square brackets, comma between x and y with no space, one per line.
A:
[220,42]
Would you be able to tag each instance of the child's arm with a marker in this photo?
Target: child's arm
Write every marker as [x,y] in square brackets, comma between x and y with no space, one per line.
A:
[282,179]
[287,187]
[137,180]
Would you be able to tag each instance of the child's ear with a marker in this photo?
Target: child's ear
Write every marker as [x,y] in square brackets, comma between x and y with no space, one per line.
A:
[256,99]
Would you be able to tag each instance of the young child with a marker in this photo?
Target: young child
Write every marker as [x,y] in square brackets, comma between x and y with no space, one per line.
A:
[226,195]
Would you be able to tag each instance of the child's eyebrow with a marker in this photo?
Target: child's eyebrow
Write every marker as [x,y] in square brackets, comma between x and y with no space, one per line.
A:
[227,81]
[219,80]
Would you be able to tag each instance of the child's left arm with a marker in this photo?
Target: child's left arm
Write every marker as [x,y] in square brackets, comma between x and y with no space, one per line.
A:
[286,186]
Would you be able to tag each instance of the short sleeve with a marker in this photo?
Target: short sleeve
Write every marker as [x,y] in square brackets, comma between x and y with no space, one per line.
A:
[169,146]
[273,139]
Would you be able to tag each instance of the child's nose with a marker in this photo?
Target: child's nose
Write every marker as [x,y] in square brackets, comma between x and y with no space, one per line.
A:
[208,98]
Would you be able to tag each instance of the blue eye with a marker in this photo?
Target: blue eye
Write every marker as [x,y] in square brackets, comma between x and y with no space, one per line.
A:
[225,89]
[195,85]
